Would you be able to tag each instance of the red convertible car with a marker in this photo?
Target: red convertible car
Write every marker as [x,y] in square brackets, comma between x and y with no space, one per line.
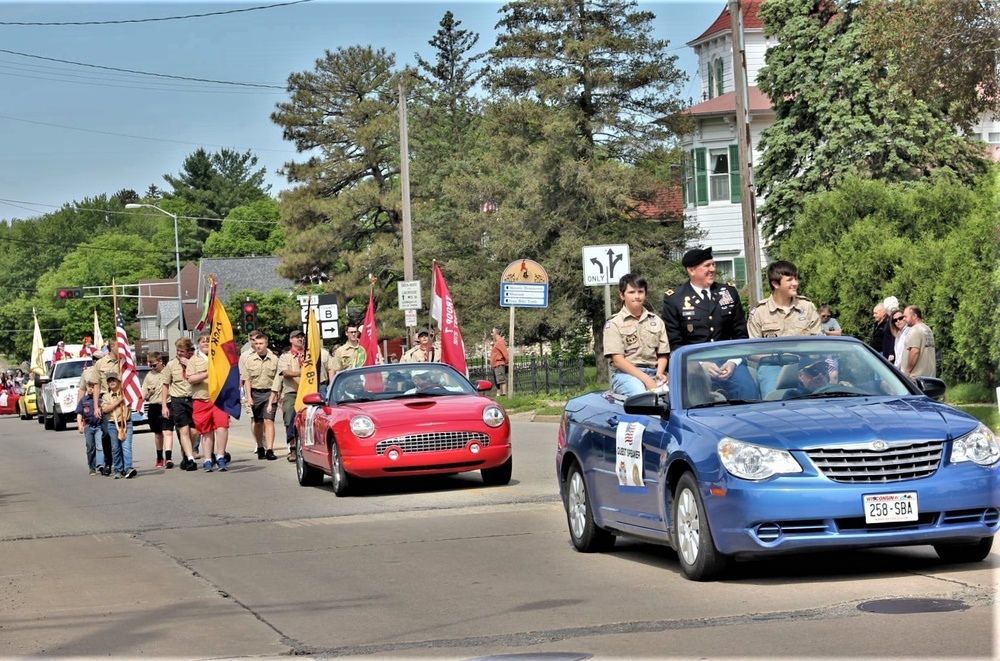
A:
[401,419]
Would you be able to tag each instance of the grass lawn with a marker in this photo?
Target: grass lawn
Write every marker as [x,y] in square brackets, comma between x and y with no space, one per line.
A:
[987,413]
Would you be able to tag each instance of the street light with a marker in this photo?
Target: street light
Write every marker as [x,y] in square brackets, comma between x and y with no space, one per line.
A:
[177,255]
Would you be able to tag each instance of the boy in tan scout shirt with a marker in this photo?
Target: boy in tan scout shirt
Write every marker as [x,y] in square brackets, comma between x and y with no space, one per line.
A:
[781,314]
[635,341]
[258,367]
[180,407]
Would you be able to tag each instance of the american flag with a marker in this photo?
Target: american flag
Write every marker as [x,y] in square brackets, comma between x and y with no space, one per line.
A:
[130,378]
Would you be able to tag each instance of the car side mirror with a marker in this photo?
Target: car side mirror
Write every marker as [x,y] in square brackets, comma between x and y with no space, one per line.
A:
[482,385]
[931,386]
[312,399]
[648,403]
[43,380]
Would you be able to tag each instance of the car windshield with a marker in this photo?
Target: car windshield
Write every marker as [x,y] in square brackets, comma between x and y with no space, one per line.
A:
[784,369]
[71,369]
[397,381]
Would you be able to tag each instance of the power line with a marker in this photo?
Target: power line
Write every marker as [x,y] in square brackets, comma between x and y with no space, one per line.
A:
[15,203]
[145,73]
[138,137]
[152,20]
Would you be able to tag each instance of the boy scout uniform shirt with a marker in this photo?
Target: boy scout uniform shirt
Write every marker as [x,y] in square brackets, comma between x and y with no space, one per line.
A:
[104,367]
[174,376]
[259,371]
[198,364]
[285,384]
[640,340]
[768,319]
[345,357]
[418,355]
[151,386]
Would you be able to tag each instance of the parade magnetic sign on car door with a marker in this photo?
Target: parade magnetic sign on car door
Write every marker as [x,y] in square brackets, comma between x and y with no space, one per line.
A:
[628,454]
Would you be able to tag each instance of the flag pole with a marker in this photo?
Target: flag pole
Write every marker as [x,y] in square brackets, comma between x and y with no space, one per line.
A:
[120,425]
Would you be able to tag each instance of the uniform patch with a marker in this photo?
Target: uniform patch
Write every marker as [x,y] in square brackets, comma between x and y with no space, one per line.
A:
[725,298]
[669,292]
[607,324]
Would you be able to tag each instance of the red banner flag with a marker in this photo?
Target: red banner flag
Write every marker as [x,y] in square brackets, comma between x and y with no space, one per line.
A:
[443,312]
[369,342]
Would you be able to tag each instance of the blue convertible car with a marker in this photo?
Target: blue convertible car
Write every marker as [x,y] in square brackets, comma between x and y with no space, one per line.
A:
[845,453]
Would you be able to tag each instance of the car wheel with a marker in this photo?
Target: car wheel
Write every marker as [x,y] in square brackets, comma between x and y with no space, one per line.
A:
[499,476]
[975,552]
[58,422]
[309,476]
[49,421]
[21,413]
[583,531]
[337,473]
[700,560]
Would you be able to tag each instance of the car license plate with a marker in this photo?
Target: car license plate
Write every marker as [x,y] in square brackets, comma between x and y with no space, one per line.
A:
[891,507]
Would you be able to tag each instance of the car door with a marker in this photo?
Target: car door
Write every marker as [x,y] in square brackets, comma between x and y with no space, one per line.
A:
[638,445]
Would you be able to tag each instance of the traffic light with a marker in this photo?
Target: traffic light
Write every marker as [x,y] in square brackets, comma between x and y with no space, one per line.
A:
[249,316]
[67,293]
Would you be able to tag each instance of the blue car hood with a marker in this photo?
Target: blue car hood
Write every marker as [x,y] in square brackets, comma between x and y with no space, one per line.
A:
[807,424]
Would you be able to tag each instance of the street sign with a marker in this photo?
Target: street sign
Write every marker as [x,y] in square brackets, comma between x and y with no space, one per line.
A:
[411,317]
[524,284]
[517,295]
[327,314]
[409,294]
[605,265]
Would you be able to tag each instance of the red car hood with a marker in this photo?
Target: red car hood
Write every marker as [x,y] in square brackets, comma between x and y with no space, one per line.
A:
[422,410]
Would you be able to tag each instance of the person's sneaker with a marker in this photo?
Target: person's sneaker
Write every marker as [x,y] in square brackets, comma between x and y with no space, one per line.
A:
[260,453]
[119,475]
[104,470]
[168,463]
[130,473]
[93,471]
[270,456]
[159,463]
[184,463]
[208,465]
[221,463]
[192,465]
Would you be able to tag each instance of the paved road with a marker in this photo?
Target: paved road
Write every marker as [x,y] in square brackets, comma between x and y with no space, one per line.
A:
[249,564]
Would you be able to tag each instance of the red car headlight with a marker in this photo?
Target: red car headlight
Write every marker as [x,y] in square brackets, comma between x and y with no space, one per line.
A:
[493,416]
[362,426]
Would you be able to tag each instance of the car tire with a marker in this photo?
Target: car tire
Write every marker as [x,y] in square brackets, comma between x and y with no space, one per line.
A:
[975,552]
[309,476]
[49,421]
[58,422]
[338,476]
[21,413]
[499,476]
[585,534]
[699,559]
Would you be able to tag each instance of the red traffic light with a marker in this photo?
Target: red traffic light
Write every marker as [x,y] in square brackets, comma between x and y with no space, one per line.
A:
[249,307]
[66,293]
[249,316]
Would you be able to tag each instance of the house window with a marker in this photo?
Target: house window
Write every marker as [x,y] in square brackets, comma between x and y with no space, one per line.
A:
[719,175]
[711,81]
[719,79]
[689,190]
[724,270]
[993,138]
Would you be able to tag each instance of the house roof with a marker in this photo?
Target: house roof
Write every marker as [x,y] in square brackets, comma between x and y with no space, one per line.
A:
[726,104]
[724,23]
[239,273]
[153,292]
[666,204]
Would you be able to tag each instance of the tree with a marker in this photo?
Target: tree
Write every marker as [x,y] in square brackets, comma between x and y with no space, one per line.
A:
[944,51]
[931,244]
[251,229]
[213,184]
[839,113]
[343,217]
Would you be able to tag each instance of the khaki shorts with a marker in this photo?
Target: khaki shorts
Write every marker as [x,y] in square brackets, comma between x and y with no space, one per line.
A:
[500,373]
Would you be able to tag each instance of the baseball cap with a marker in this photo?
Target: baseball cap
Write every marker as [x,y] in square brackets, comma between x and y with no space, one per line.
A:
[812,365]
[296,333]
[423,331]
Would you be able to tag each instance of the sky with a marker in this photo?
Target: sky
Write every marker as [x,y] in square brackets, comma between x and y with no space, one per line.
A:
[70,132]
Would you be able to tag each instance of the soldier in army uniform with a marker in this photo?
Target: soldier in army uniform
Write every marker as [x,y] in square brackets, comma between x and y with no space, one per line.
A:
[782,313]
[703,310]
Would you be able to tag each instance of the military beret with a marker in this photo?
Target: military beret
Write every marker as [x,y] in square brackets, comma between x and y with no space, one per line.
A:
[696,257]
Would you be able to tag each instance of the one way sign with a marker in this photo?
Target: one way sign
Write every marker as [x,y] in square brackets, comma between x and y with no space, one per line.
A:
[604,265]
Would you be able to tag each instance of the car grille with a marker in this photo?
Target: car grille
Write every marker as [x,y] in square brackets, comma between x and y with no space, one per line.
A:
[864,465]
[433,442]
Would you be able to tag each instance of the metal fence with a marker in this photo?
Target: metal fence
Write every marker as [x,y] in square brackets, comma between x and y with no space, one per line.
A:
[535,375]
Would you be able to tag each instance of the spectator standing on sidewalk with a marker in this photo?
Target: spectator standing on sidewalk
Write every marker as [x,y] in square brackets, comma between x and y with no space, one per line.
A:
[499,361]
[921,356]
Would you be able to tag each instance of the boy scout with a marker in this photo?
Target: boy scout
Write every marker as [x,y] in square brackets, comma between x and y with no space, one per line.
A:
[635,341]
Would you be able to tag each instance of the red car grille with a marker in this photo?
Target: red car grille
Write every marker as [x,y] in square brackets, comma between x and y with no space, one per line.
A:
[433,442]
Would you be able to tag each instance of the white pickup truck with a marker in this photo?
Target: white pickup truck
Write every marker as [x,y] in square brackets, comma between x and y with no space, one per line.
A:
[57,405]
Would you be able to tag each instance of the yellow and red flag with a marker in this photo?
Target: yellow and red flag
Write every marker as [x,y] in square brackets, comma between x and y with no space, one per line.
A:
[309,377]
[223,374]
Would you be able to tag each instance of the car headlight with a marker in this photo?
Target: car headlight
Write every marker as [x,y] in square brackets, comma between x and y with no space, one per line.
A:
[755,462]
[493,416]
[362,426]
[979,446]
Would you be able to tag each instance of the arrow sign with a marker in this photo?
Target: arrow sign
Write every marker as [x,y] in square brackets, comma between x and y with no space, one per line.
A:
[604,265]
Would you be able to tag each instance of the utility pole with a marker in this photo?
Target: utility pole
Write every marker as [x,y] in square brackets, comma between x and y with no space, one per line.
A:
[748,192]
[404,176]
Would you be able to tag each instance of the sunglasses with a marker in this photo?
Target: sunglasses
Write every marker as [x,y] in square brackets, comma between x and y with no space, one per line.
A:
[897,318]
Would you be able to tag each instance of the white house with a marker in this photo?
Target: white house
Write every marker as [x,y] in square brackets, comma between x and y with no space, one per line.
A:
[711,186]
